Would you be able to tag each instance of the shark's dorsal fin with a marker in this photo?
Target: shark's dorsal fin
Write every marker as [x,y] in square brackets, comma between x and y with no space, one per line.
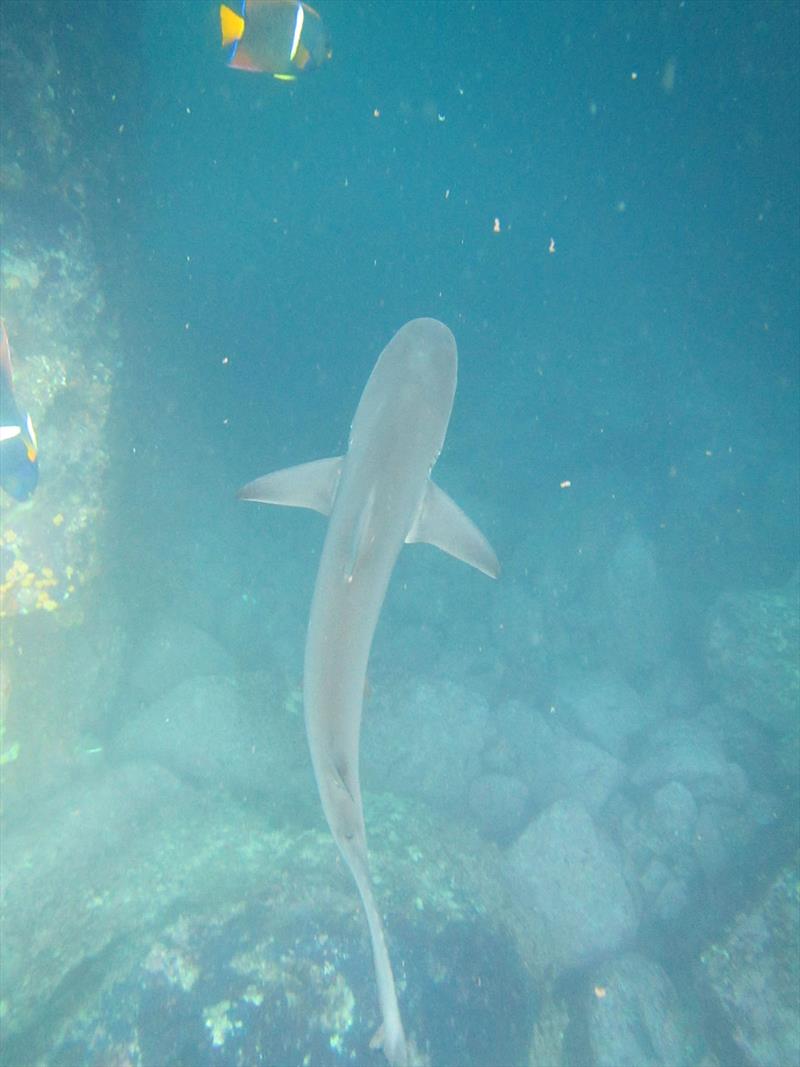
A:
[441,522]
[309,485]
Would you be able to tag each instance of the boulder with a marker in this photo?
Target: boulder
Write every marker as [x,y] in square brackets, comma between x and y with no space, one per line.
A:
[172,651]
[241,734]
[673,690]
[554,763]
[498,804]
[635,1018]
[635,608]
[688,751]
[753,976]
[603,708]
[672,816]
[424,738]
[141,913]
[567,879]
[657,839]
[753,654]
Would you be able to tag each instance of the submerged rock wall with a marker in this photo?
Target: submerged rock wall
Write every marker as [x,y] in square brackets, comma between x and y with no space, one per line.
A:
[58,151]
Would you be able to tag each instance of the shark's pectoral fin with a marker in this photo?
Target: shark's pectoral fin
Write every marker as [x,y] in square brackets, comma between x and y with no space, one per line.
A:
[309,485]
[441,522]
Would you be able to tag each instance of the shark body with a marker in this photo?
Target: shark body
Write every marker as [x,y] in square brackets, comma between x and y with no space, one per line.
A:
[379,495]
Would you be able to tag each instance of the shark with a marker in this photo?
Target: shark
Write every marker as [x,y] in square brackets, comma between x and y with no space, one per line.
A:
[378,497]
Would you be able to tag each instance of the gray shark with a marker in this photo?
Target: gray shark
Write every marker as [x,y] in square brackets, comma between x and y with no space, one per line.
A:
[378,496]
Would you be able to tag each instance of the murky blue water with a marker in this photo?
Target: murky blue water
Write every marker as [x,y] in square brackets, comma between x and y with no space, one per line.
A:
[601,201]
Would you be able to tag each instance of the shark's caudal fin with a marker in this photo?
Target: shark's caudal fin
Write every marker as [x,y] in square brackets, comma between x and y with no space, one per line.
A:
[309,485]
[441,522]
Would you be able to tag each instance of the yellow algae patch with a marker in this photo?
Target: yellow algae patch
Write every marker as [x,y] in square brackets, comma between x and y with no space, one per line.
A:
[23,589]
[45,602]
[18,569]
[58,519]
[46,579]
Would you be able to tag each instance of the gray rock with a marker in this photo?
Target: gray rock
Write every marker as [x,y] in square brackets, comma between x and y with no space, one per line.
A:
[567,877]
[523,731]
[69,879]
[731,787]
[635,609]
[753,654]
[424,739]
[664,893]
[267,625]
[671,900]
[171,651]
[724,831]
[551,1038]
[604,708]
[499,757]
[753,976]
[242,735]
[586,772]
[654,877]
[435,622]
[670,840]
[747,741]
[151,901]
[657,839]
[672,816]
[673,690]
[635,1018]
[556,764]
[499,804]
[687,751]
[711,846]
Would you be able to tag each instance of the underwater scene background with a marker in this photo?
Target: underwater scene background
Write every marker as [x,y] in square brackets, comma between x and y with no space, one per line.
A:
[581,781]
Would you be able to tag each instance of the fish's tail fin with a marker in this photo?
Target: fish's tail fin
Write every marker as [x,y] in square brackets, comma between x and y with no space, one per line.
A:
[231,25]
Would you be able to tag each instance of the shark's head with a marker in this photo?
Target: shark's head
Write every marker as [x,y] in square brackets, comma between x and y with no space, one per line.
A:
[411,387]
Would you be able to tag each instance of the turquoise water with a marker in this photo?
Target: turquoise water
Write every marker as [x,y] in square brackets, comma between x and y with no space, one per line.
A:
[581,781]
[288,228]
